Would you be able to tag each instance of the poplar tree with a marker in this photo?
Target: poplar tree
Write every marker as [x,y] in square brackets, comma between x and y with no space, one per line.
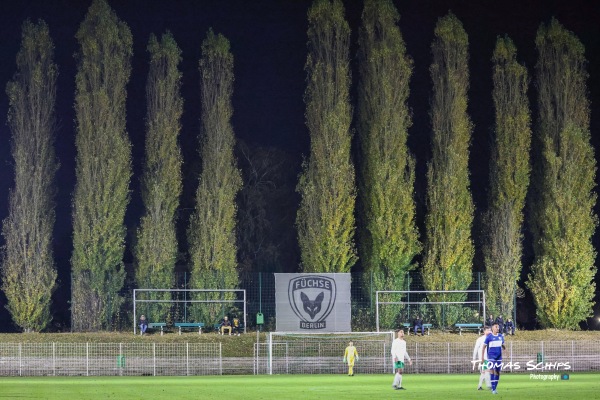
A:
[212,229]
[325,219]
[103,168]
[509,179]
[563,218]
[388,236]
[156,250]
[28,270]
[449,250]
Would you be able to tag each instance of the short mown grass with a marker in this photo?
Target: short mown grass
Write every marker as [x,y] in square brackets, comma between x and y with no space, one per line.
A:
[298,387]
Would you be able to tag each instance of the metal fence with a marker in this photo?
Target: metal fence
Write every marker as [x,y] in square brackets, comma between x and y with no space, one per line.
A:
[188,359]
[106,359]
[528,357]
[444,358]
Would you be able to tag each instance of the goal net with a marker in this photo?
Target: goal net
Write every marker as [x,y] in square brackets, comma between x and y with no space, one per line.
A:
[188,305]
[323,353]
[440,308]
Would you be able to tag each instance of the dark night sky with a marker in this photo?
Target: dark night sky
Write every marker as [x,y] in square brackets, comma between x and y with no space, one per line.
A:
[268,41]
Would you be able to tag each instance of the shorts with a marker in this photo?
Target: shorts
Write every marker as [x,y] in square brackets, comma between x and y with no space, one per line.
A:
[399,365]
[484,366]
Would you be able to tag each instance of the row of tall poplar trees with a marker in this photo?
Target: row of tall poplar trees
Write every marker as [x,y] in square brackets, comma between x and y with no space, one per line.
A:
[382,191]
[104,172]
[561,216]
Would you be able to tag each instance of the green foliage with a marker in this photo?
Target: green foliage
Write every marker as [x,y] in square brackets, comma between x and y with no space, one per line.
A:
[325,219]
[156,249]
[363,319]
[563,209]
[28,270]
[103,168]
[389,237]
[449,250]
[509,179]
[212,227]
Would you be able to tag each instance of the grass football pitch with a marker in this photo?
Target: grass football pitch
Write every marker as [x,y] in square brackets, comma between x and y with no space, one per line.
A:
[421,386]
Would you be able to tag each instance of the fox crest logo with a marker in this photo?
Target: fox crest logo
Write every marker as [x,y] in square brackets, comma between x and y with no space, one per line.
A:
[312,307]
[312,298]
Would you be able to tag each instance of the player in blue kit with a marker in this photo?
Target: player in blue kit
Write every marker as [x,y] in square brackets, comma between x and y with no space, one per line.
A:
[494,343]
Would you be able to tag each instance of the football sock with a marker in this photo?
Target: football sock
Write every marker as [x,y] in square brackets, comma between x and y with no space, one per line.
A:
[494,381]
[400,380]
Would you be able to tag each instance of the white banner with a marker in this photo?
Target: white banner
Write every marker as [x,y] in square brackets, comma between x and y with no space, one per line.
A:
[313,302]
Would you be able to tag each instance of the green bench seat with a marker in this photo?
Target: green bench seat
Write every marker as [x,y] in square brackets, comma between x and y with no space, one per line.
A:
[189,325]
[409,326]
[460,327]
[161,325]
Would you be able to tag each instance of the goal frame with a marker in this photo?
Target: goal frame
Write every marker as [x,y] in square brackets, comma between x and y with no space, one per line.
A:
[408,302]
[231,301]
[316,334]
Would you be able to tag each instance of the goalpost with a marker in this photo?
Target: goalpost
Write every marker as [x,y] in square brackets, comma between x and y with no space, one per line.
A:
[322,353]
[139,298]
[441,308]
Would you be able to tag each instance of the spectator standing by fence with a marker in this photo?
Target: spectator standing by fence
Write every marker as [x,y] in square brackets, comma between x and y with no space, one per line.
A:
[500,321]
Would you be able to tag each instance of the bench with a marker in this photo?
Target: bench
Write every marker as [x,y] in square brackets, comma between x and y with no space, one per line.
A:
[409,326]
[190,325]
[460,327]
[154,325]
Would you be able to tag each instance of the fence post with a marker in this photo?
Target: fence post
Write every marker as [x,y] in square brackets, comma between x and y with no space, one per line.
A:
[187,358]
[154,359]
[221,357]
[573,354]
[87,359]
[417,357]
[270,353]
[54,358]
[448,357]
[511,357]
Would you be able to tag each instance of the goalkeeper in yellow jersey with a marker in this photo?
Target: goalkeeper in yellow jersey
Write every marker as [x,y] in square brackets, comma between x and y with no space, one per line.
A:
[350,355]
